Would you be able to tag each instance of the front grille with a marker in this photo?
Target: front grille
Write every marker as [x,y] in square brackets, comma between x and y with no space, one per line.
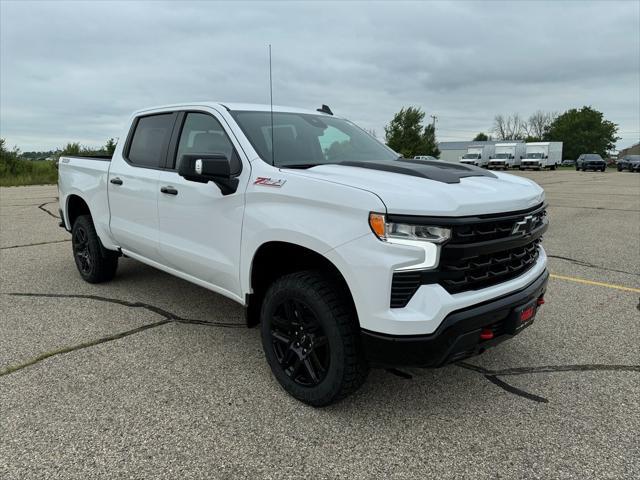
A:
[481,271]
[483,251]
[491,229]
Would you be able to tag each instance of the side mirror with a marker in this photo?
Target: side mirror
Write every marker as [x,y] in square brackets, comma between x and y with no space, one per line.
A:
[208,167]
[204,167]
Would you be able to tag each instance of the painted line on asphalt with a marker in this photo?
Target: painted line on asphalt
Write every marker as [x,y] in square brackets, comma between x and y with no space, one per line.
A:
[598,284]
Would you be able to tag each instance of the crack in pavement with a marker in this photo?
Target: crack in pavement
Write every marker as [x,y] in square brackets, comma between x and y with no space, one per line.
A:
[169,317]
[492,375]
[41,207]
[35,244]
[596,208]
[590,265]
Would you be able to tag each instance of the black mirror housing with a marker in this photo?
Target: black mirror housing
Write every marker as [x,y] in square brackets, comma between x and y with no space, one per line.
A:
[204,167]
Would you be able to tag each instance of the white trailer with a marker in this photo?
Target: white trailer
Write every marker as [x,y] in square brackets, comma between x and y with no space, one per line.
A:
[507,155]
[541,155]
[478,155]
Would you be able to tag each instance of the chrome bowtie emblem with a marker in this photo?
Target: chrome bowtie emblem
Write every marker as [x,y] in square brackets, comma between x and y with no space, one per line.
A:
[524,226]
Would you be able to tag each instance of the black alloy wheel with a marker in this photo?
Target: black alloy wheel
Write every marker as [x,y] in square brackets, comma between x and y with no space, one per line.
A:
[95,263]
[300,344]
[81,252]
[311,337]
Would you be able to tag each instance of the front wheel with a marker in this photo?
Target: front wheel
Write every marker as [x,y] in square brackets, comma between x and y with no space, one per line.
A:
[95,263]
[311,338]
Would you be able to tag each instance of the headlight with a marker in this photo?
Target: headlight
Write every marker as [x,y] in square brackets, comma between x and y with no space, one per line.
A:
[403,231]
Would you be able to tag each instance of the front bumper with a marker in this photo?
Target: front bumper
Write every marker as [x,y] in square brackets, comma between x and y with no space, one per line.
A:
[530,164]
[457,337]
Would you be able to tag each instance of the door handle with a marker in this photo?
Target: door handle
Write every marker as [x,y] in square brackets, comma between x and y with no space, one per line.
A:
[116,181]
[169,190]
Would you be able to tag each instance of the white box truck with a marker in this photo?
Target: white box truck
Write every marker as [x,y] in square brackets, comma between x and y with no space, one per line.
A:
[507,155]
[478,155]
[541,155]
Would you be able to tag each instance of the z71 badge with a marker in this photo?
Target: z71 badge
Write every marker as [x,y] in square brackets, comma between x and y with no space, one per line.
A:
[269,182]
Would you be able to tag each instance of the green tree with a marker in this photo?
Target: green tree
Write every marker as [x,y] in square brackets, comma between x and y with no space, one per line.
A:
[110,146]
[583,131]
[408,136]
[72,148]
[481,137]
[9,163]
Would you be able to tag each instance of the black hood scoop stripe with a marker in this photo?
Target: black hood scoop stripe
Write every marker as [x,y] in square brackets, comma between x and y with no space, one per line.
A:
[438,171]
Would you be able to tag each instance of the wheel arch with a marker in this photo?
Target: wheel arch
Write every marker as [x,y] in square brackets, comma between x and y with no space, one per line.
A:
[75,206]
[274,259]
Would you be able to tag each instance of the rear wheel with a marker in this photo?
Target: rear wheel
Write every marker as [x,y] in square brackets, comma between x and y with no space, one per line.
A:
[311,338]
[95,263]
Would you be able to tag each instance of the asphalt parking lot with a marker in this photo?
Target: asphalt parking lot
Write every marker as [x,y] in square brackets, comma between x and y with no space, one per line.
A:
[149,376]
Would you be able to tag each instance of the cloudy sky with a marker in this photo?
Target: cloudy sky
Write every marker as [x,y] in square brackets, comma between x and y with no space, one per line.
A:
[73,71]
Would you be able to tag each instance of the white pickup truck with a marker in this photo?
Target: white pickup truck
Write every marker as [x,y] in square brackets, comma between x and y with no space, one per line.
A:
[347,256]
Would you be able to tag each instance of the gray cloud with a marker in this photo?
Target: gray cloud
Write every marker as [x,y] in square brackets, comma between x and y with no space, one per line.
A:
[73,71]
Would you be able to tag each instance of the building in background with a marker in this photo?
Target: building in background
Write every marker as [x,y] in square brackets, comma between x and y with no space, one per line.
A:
[632,150]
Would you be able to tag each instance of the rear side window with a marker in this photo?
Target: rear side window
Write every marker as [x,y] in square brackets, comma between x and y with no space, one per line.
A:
[150,140]
[203,134]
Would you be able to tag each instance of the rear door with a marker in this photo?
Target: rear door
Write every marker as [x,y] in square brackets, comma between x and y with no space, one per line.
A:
[200,228]
[133,184]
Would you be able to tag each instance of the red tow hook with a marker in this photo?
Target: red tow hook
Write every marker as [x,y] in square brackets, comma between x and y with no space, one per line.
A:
[486,334]
[540,301]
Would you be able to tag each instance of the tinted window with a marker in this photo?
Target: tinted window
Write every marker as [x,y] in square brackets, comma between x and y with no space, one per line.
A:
[203,134]
[309,139]
[150,140]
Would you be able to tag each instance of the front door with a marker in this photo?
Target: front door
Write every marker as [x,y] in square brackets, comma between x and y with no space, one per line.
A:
[200,227]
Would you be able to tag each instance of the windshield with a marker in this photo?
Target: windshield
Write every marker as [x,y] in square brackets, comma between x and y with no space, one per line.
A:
[306,140]
[502,155]
[632,158]
[471,155]
[534,155]
[592,156]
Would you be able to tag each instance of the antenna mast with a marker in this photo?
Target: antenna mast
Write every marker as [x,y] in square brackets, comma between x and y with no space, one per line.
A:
[273,147]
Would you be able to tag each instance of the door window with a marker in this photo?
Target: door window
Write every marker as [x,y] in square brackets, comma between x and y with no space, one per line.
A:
[203,134]
[150,140]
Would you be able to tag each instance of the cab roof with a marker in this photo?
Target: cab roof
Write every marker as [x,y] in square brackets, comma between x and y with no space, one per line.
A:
[230,106]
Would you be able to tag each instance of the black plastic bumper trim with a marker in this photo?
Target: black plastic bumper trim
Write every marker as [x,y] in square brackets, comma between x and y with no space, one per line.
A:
[457,337]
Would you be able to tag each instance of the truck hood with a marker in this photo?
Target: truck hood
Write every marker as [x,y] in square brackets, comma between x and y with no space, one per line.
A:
[413,195]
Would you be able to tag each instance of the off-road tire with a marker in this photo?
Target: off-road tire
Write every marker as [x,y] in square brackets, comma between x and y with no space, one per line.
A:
[95,263]
[334,312]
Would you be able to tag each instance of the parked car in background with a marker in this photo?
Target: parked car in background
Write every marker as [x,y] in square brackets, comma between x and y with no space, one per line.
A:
[424,157]
[629,162]
[567,162]
[591,161]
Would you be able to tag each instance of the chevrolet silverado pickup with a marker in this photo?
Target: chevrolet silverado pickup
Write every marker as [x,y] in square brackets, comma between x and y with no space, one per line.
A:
[347,256]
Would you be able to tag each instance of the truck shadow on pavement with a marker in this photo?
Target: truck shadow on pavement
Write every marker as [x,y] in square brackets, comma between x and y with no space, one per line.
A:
[492,376]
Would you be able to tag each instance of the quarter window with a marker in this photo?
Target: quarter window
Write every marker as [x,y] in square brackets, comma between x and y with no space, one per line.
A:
[150,140]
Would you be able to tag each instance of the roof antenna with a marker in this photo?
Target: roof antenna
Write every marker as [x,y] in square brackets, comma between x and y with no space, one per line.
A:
[273,161]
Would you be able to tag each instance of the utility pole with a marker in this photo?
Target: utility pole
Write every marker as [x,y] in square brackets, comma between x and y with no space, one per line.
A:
[434,118]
